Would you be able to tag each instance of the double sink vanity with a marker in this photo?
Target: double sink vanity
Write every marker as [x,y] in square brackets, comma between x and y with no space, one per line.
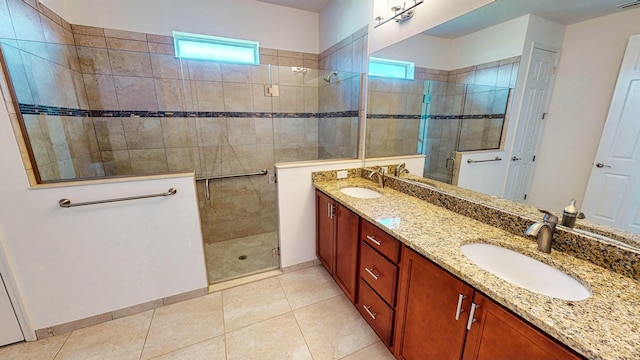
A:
[441,276]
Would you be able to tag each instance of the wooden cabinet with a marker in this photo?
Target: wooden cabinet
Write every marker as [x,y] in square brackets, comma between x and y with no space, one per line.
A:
[429,325]
[419,310]
[378,272]
[337,242]
[434,308]
[498,334]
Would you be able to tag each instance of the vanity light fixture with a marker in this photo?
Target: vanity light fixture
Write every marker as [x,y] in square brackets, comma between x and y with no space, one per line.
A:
[401,13]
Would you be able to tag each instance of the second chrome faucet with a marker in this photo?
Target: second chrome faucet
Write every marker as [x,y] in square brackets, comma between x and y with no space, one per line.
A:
[544,231]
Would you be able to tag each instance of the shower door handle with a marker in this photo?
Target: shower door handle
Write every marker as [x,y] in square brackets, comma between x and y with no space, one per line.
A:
[453,162]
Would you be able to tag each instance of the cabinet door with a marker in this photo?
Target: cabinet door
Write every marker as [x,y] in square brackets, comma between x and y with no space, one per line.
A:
[346,255]
[498,334]
[427,326]
[325,231]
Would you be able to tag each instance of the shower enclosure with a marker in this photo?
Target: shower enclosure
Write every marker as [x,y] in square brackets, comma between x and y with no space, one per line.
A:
[90,112]
[434,118]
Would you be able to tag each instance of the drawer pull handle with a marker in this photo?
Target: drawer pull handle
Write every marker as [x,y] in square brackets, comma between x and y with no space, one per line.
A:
[472,319]
[373,240]
[372,273]
[367,309]
[460,310]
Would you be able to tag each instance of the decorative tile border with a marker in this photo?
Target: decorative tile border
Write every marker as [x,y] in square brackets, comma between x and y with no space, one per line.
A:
[436,117]
[29,109]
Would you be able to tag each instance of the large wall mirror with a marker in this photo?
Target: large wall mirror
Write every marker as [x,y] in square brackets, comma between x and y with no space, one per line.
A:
[464,92]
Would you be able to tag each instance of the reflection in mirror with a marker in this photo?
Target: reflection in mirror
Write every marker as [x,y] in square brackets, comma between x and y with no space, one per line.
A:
[439,118]
[405,116]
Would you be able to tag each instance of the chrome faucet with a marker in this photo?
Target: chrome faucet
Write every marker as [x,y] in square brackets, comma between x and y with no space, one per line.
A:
[401,169]
[378,171]
[544,231]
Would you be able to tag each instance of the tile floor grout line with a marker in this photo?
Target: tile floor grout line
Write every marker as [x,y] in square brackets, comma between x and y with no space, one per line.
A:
[185,347]
[144,344]
[63,344]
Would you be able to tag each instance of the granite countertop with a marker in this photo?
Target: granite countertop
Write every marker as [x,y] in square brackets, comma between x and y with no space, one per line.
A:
[604,326]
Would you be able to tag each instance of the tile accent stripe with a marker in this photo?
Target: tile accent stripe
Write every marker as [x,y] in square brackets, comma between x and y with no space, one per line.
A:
[29,109]
[435,117]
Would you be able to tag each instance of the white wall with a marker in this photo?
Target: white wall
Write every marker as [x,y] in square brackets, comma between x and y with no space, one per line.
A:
[424,50]
[590,62]
[430,14]
[296,203]
[68,264]
[341,18]
[273,26]
[497,42]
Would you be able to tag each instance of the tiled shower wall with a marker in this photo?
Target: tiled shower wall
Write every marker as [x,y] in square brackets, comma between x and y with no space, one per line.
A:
[348,56]
[101,102]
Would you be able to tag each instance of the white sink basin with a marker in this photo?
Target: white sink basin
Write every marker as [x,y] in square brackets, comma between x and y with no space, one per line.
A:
[362,193]
[525,272]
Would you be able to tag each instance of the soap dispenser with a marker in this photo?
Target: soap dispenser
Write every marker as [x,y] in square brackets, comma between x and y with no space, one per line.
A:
[569,214]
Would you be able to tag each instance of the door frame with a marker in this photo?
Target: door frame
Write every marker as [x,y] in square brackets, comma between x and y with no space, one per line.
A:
[518,124]
[28,332]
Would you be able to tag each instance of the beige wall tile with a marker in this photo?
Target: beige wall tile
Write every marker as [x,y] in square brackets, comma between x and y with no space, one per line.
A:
[203,70]
[87,30]
[116,162]
[26,21]
[94,60]
[143,133]
[130,63]
[179,132]
[286,61]
[148,161]
[127,35]
[183,159]
[209,96]
[171,94]
[136,93]
[110,133]
[241,131]
[101,92]
[89,40]
[237,97]
[211,132]
[236,73]
[161,48]
[160,39]
[165,66]
[131,45]
[53,32]
[261,103]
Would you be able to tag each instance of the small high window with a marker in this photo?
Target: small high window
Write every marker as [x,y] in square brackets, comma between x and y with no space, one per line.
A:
[204,47]
[391,68]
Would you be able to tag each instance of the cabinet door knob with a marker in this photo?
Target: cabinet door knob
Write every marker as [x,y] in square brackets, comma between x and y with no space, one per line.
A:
[374,240]
[472,319]
[372,273]
[460,310]
[368,310]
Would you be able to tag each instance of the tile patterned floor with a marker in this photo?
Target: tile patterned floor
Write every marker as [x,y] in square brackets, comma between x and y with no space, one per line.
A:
[297,315]
[223,261]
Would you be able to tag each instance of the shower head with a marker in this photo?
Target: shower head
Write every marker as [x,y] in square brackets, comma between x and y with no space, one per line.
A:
[328,77]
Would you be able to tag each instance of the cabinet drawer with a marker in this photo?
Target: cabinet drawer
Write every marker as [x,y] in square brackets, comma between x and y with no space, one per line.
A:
[375,311]
[379,240]
[378,272]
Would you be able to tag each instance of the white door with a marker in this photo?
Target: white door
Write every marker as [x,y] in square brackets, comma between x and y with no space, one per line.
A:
[531,124]
[9,328]
[613,192]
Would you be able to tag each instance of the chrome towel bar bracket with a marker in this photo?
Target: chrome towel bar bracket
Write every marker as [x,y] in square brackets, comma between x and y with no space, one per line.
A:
[66,203]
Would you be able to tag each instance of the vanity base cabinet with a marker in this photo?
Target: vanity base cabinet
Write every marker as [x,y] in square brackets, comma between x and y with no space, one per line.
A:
[498,334]
[337,242]
[428,299]
[434,308]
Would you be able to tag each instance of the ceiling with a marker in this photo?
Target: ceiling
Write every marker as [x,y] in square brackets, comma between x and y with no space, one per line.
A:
[308,5]
[561,11]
